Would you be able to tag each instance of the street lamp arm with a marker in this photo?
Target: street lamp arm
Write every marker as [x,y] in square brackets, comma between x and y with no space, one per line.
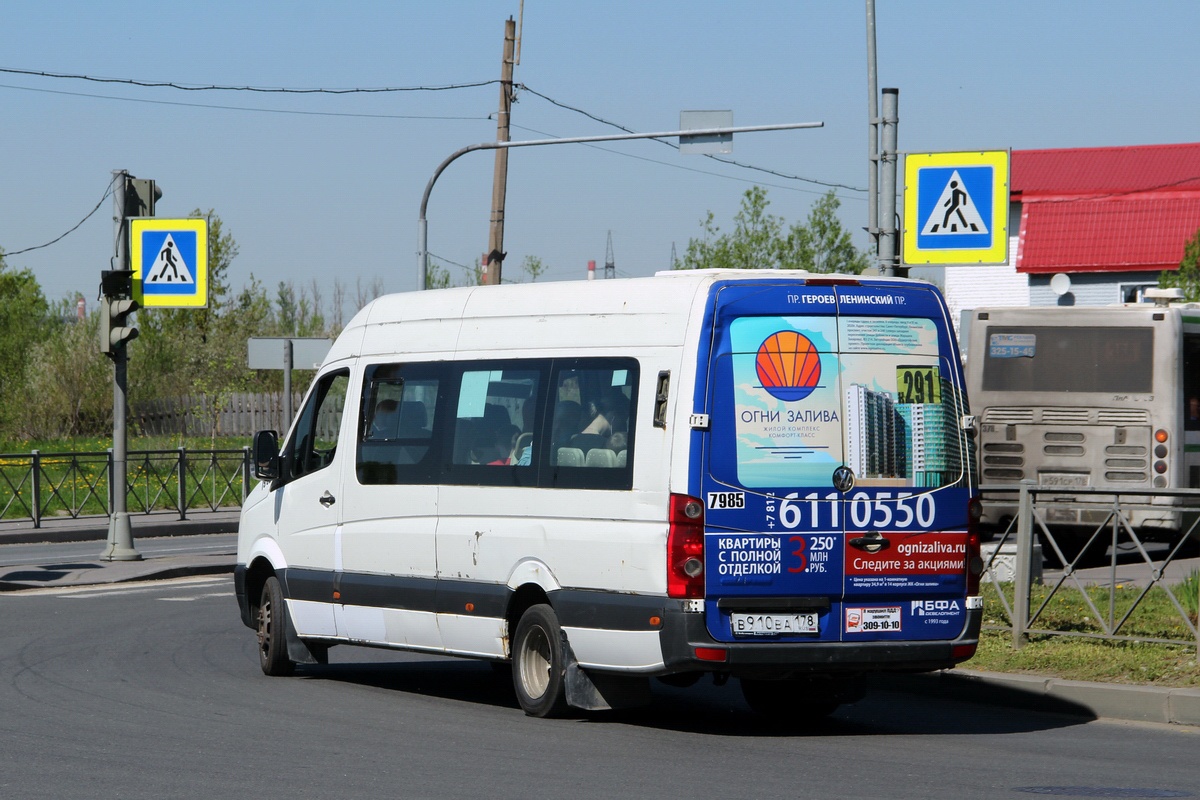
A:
[422,223]
[447,162]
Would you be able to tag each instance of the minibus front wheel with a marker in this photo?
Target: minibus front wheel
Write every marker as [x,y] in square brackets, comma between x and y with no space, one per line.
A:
[539,664]
[272,631]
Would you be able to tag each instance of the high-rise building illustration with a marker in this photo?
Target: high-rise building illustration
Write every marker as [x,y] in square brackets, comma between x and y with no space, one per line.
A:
[918,442]
[876,434]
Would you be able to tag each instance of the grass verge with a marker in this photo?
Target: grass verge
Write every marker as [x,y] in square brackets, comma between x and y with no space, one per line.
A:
[1085,659]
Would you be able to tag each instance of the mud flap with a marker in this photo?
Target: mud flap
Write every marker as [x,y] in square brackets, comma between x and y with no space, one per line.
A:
[300,651]
[601,691]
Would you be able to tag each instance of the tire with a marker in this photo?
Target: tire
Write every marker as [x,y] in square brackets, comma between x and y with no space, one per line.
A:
[538,665]
[272,631]
[797,701]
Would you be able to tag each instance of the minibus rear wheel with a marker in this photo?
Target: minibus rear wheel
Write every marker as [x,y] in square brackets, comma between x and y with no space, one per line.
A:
[538,665]
[272,627]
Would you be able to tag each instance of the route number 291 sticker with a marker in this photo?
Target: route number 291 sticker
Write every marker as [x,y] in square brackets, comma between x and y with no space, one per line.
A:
[722,500]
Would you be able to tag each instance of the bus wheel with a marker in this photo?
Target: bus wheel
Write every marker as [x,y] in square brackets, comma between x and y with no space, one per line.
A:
[538,664]
[272,627]
[789,701]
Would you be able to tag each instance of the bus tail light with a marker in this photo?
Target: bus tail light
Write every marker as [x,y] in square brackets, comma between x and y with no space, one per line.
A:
[1161,436]
[685,547]
[974,558]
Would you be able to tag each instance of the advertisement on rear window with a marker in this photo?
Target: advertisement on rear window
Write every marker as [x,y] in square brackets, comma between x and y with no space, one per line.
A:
[814,393]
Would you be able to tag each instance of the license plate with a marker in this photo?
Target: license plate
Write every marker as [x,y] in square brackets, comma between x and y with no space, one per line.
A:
[774,624]
[1064,478]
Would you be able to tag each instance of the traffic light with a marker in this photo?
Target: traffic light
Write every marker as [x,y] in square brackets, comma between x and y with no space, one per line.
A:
[115,327]
[116,304]
[140,196]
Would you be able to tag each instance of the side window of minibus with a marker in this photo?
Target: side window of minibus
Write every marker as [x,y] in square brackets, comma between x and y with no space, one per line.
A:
[396,423]
[315,439]
[493,425]
[591,434]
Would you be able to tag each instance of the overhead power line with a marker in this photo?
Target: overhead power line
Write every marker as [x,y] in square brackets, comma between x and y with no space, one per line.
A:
[259,89]
[729,161]
[107,192]
[352,115]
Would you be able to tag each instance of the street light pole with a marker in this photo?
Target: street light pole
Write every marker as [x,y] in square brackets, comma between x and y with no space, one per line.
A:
[422,222]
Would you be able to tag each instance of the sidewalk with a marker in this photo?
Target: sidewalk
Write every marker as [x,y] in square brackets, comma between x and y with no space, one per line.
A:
[1026,692]
[95,528]
[93,571]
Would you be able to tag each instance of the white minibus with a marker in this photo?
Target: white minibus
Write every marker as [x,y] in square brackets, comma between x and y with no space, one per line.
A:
[759,475]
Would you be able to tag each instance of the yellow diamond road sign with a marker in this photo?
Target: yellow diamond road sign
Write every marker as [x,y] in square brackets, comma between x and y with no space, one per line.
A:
[170,262]
[956,208]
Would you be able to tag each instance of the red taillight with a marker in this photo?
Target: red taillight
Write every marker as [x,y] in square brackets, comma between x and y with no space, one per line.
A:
[974,563]
[685,547]
[711,654]
[961,652]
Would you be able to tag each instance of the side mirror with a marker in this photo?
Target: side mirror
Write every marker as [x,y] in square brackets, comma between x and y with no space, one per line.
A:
[969,423]
[266,455]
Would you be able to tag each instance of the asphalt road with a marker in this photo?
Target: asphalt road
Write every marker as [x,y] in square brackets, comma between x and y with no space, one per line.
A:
[153,690]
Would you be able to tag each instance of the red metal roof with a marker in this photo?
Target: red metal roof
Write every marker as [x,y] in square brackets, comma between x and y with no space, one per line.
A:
[1095,170]
[1106,235]
[1106,209]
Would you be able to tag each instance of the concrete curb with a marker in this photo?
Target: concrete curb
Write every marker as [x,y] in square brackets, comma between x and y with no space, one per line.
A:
[1057,696]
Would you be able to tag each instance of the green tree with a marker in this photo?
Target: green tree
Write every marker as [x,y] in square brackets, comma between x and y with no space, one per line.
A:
[534,267]
[760,240]
[1187,277]
[437,277]
[67,385]
[24,321]
[822,244]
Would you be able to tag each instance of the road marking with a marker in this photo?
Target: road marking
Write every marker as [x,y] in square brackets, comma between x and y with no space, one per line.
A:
[196,597]
[114,589]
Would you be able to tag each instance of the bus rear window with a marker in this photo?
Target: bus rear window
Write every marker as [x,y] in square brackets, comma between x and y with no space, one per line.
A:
[1061,359]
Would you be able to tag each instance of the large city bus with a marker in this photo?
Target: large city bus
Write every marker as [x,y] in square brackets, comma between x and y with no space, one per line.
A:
[760,475]
[1088,397]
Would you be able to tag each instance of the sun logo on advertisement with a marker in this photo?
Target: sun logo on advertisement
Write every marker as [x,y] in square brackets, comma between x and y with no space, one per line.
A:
[788,365]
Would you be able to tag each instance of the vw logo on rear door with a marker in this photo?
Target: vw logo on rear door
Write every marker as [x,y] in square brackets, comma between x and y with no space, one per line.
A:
[843,479]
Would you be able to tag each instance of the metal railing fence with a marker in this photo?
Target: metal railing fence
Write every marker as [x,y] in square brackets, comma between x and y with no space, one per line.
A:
[1027,613]
[37,485]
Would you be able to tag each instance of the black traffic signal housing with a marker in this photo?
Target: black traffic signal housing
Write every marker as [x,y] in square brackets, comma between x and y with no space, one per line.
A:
[116,304]
[140,196]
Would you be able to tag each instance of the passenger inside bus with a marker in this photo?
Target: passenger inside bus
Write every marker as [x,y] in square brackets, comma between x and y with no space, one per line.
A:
[385,420]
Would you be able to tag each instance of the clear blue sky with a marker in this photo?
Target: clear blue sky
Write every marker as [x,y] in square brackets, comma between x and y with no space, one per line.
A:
[318,186]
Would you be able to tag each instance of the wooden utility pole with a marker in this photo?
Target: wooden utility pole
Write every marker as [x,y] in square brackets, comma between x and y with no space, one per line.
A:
[495,254]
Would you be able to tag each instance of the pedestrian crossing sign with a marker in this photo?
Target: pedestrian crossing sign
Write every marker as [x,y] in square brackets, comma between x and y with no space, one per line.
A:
[955,208]
[170,261]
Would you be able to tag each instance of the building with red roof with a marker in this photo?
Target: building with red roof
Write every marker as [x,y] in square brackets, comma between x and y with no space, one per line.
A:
[1110,218]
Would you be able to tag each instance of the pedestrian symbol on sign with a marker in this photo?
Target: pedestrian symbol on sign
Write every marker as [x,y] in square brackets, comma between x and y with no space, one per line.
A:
[954,206]
[169,264]
[955,212]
